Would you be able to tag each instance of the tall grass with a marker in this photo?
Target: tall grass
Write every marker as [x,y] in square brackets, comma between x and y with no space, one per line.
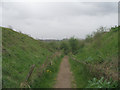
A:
[48,78]
[104,46]
[81,74]
[99,49]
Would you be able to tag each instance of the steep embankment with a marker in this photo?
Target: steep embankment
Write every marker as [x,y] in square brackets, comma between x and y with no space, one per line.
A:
[100,54]
[102,51]
[20,52]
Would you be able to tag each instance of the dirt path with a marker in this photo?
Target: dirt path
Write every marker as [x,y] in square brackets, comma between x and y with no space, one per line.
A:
[64,78]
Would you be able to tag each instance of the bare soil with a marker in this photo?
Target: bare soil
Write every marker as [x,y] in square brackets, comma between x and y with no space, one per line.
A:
[64,78]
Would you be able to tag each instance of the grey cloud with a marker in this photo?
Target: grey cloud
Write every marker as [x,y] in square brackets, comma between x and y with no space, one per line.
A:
[42,10]
[107,7]
[58,20]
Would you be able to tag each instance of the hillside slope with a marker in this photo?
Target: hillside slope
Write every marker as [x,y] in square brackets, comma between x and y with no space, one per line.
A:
[19,52]
[99,54]
[101,47]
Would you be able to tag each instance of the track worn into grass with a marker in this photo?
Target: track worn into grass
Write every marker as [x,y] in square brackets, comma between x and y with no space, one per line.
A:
[64,78]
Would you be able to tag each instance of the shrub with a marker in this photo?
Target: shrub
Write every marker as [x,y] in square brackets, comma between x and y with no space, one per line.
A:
[65,47]
[88,38]
[54,45]
[73,45]
[101,83]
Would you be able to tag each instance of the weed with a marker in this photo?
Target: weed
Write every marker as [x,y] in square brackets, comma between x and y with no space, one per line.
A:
[102,83]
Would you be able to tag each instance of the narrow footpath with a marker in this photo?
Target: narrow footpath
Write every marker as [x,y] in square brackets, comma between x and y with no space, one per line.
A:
[64,78]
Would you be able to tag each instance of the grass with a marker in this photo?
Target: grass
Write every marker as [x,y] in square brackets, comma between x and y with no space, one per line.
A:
[101,48]
[81,74]
[48,79]
[101,51]
[19,52]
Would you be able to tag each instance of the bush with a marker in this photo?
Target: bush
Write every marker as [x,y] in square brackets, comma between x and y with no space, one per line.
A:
[54,45]
[65,47]
[73,45]
[88,38]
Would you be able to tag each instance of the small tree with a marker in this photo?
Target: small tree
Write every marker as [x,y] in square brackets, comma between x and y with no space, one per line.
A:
[89,38]
[64,46]
[73,45]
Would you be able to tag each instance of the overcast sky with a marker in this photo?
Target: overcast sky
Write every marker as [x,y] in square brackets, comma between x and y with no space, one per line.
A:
[58,20]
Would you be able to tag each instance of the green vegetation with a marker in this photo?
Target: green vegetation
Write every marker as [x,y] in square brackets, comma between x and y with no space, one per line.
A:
[73,45]
[101,51]
[48,79]
[100,46]
[20,52]
[81,74]
[101,83]
[65,47]
[98,52]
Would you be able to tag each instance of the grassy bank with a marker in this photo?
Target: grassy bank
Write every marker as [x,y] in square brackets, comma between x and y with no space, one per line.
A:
[103,46]
[19,52]
[81,74]
[48,78]
[100,52]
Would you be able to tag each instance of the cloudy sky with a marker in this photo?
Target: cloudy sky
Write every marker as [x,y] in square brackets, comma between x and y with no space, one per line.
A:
[58,20]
